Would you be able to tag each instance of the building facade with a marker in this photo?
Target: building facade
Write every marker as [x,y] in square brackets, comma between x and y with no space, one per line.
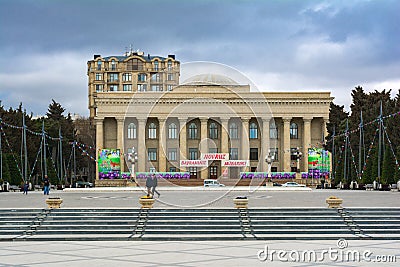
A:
[137,101]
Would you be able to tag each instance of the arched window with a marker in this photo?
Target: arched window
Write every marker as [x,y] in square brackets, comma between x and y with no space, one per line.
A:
[253,131]
[233,131]
[99,65]
[294,131]
[193,131]
[172,131]
[213,130]
[156,65]
[132,131]
[273,130]
[113,65]
[152,131]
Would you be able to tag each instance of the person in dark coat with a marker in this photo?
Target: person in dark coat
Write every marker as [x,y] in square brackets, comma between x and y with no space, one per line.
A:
[46,185]
[26,187]
[155,183]
[149,185]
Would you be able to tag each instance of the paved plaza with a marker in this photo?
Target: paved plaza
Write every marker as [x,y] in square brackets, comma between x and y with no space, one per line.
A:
[184,198]
[199,253]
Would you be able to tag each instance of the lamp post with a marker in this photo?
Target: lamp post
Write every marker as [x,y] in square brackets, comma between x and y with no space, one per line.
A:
[132,158]
[298,158]
[269,159]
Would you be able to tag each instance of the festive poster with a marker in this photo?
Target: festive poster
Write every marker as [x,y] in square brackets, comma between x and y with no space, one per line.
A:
[109,161]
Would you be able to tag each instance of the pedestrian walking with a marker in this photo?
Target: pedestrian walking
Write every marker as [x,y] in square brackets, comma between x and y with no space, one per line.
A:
[26,188]
[149,185]
[155,183]
[46,185]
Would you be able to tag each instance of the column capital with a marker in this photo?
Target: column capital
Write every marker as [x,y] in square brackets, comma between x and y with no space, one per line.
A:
[245,119]
[120,119]
[307,119]
[203,119]
[266,119]
[286,119]
[141,120]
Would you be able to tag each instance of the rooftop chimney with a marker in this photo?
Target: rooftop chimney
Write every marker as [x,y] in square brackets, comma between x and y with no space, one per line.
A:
[96,56]
[171,56]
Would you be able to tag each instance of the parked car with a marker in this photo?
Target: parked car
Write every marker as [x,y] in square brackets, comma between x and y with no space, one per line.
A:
[82,184]
[276,184]
[211,182]
[293,184]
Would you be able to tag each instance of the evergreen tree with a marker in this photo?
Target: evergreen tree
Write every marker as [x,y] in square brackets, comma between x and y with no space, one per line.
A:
[55,111]
[388,167]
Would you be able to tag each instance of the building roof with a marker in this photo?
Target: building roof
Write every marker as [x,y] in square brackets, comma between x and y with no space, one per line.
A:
[209,79]
[148,58]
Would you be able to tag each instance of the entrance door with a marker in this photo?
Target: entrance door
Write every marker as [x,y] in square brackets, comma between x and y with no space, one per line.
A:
[213,172]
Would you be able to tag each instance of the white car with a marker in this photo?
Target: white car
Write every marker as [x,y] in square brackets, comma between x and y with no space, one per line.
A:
[293,184]
[211,182]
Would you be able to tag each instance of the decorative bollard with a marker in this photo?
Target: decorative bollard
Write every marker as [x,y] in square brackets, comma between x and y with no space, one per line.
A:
[334,202]
[146,202]
[241,202]
[54,202]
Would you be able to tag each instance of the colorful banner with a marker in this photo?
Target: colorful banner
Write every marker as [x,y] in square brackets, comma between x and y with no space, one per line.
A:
[164,175]
[235,163]
[215,156]
[194,163]
[109,161]
[319,162]
[272,175]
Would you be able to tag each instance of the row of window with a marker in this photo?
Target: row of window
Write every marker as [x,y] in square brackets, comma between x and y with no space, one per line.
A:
[134,64]
[213,131]
[128,87]
[127,77]
[193,153]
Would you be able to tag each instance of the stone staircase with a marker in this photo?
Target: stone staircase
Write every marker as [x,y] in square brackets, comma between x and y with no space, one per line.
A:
[199,224]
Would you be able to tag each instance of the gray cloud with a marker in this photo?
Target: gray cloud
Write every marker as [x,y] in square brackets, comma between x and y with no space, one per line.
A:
[280,45]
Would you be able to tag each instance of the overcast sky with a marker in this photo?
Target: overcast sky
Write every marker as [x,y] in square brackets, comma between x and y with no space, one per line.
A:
[280,45]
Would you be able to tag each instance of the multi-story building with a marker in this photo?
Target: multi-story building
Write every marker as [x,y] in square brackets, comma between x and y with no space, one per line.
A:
[137,101]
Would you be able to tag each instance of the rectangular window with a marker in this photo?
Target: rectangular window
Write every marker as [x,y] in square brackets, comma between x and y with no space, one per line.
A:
[142,87]
[98,65]
[253,153]
[141,77]
[274,153]
[169,87]
[172,154]
[156,77]
[113,77]
[169,65]
[234,153]
[274,169]
[152,154]
[156,87]
[192,153]
[170,76]
[99,76]
[152,169]
[293,169]
[127,87]
[99,88]
[113,88]
[172,169]
[127,77]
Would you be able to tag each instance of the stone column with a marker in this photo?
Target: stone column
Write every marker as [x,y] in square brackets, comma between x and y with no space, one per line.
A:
[120,141]
[142,153]
[203,144]
[162,162]
[245,149]
[324,129]
[182,141]
[286,144]
[99,141]
[224,141]
[306,141]
[265,145]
